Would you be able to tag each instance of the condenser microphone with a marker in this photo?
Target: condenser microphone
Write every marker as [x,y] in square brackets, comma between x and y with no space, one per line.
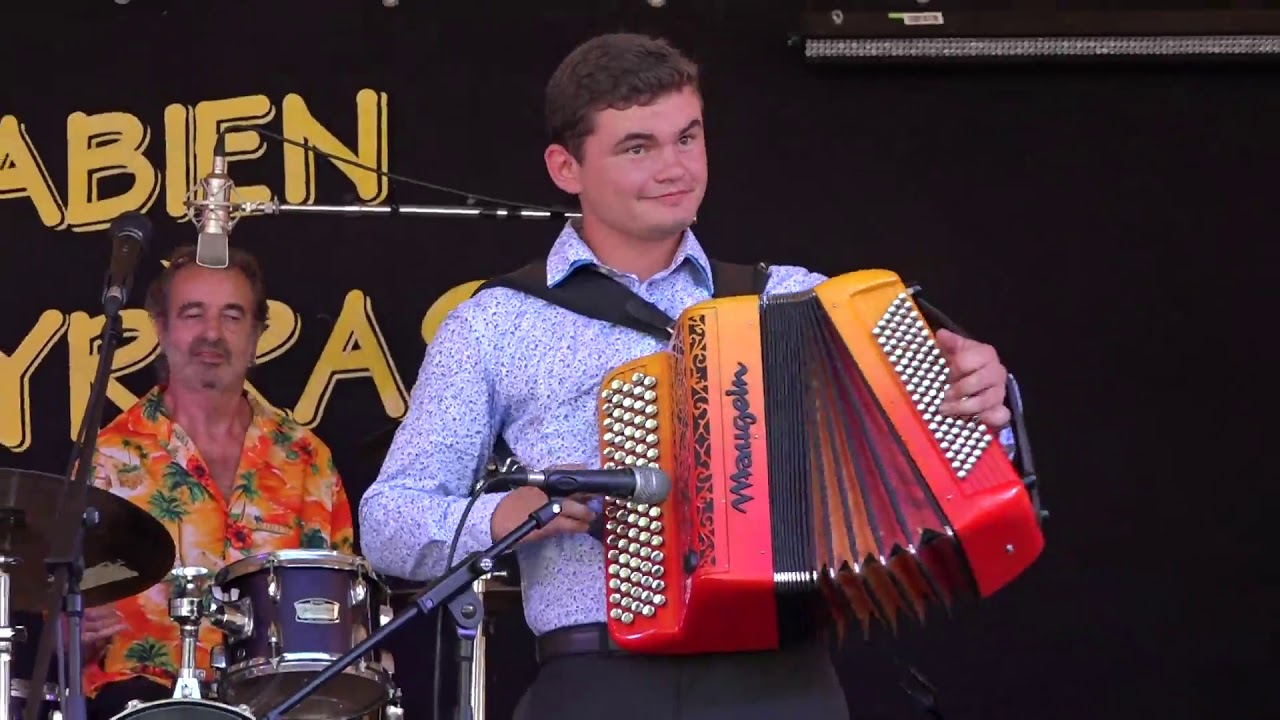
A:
[212,248]
[130,235]
[647,484]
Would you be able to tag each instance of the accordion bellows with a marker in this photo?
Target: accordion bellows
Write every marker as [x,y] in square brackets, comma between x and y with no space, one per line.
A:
[807,457]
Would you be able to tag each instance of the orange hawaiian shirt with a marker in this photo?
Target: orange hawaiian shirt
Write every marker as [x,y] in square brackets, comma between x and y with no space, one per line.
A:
[287,496]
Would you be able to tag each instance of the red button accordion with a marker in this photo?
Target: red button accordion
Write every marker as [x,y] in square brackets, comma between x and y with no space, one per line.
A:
[807,455]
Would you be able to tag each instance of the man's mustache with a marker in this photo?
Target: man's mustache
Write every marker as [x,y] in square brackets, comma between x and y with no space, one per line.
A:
[217,346]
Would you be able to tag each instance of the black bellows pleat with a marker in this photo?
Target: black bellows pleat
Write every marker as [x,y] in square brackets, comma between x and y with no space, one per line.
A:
[787,441]
[847,499]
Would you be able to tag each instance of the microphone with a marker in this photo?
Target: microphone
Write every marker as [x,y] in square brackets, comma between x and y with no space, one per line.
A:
[130,235]
[647,484]
[215,223]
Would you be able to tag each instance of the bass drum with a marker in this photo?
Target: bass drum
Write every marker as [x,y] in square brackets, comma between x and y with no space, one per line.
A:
[183,709]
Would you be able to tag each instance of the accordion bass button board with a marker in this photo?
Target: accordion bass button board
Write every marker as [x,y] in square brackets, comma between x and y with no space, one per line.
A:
[808,460]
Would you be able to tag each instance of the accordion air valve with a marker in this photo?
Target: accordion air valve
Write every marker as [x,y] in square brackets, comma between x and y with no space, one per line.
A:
[807,458]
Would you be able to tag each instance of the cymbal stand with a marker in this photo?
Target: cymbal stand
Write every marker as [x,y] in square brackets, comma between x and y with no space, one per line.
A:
[187,602]
[8,635]
[66,560]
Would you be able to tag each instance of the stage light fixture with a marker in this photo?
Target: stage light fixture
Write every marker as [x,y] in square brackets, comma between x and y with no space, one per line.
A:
[1027,32]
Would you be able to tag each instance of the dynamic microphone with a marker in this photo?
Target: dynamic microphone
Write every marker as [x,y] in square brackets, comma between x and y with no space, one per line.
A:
[215,222]
[130,235]
[647,484]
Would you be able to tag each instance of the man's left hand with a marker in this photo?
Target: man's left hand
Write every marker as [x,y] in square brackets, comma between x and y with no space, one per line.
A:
[977,380]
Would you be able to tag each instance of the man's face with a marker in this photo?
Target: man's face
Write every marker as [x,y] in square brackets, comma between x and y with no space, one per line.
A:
[644,169]
[209,334]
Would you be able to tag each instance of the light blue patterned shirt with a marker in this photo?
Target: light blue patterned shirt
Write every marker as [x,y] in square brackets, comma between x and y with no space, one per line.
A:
[506,362]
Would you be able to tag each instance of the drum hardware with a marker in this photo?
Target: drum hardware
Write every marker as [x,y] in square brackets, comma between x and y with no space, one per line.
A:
[295,612]
[20,695]
[188,600]
[393,710]
[8,635]
[183,709]
[455,590]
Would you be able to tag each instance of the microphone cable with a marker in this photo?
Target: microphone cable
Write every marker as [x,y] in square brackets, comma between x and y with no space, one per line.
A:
[442,609]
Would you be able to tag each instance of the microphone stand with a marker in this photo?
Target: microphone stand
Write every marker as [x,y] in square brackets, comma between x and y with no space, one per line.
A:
[66,560]
[454,590]
[275,207]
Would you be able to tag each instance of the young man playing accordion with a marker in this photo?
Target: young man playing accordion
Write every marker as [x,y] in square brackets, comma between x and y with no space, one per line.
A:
[627,138]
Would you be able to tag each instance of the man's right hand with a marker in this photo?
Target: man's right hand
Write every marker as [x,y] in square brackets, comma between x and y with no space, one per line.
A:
[96,630]
[520,503]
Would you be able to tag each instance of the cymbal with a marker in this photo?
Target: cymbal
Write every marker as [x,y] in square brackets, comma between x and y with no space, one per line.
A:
[125,553]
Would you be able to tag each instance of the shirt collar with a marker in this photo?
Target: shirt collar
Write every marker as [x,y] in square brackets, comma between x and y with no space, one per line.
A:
[570,252]
[152,409]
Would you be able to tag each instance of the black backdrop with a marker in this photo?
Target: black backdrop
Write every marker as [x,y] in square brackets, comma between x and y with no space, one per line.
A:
[1103,227]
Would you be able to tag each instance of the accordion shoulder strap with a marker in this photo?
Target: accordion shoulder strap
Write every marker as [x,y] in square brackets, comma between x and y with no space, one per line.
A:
[590,293]
[733,279]
[593,294]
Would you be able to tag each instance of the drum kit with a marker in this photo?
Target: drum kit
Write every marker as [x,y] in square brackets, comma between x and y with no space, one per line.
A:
[285,617]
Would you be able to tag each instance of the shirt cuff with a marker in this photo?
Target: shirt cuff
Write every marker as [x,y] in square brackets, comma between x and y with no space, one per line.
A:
[1008,442]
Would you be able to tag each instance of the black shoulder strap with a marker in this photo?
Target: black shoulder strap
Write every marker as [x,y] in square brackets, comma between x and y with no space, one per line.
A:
[590,293]
[733,279]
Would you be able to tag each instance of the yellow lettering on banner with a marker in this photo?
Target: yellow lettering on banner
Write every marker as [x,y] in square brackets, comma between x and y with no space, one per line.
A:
[101,146]
[212,116]
[179,159]
[22,174]
[445,304]
[355,349]
[371,143]
[15,379]
[284,325]
[136,348]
